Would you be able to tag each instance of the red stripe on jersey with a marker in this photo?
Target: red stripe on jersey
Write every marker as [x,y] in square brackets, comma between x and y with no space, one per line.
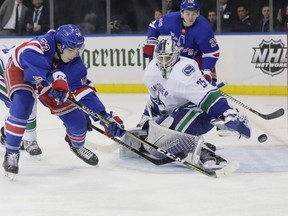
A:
[216,55]
[79,91]
[29,43]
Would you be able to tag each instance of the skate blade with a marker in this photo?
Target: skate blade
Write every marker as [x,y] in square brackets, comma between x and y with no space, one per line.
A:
[228,170]
[10,176]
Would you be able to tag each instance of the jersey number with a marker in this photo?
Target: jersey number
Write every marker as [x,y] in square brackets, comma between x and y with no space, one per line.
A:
[202,82]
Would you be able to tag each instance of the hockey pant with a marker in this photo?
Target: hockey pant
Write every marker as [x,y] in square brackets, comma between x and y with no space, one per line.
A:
[190,121]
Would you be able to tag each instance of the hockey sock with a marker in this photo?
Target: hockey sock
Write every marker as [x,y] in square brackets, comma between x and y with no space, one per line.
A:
[17,120]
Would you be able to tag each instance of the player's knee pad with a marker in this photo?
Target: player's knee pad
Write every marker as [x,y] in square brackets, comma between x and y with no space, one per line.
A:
[191,121]
[23,99]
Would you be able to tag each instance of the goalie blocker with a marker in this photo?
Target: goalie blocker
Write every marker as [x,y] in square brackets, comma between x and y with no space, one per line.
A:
[187,146]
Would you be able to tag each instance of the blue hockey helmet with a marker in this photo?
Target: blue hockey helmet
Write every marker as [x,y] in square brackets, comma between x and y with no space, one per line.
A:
[69,36]
[166,55]
[189,5]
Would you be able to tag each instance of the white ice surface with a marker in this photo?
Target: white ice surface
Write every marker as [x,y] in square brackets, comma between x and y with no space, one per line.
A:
[62,185]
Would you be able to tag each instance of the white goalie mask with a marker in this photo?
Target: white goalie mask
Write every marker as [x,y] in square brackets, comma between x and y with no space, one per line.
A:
[166,55]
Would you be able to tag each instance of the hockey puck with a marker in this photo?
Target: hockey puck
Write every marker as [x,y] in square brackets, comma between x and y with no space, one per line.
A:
[262,138]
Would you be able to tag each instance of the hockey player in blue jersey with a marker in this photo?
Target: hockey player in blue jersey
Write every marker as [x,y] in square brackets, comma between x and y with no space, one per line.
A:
[51,64]
[179,93]
[29,141]
[192,34]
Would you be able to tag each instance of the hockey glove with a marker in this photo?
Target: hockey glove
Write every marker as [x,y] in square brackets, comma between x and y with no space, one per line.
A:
[60,89]
[115,127]
[149,46]
[207,75]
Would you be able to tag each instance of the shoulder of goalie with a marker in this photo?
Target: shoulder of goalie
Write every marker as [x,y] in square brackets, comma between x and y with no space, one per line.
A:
[174,142]
[234,121]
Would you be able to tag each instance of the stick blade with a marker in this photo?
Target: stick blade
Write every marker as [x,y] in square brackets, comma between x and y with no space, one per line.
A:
[276,114]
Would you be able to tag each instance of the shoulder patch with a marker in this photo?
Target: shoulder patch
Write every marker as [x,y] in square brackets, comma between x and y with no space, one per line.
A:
[188,70]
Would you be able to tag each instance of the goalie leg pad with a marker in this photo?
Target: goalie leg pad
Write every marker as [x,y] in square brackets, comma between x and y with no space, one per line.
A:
[172,141]
[124,152]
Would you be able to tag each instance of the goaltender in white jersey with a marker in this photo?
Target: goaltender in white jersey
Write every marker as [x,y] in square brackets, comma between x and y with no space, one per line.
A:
[183,102]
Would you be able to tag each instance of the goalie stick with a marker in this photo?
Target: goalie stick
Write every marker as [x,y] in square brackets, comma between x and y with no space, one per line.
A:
[227,170]
[269,116]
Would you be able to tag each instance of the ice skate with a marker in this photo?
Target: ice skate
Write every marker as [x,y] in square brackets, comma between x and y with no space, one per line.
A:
[10,164]
[32,148]
[83,153]
[3,137]
[211,161]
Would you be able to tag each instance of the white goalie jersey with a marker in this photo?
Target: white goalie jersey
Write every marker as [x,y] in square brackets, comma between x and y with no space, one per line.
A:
[184,85]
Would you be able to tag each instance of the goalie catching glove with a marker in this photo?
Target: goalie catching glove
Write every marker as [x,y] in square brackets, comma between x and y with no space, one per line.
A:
[60,89]
[115,127]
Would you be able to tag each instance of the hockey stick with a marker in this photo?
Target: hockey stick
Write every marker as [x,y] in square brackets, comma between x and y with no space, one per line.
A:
[269,116]
[227,170]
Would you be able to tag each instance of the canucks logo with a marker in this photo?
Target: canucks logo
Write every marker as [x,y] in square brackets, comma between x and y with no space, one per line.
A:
[270,57]
[188,70]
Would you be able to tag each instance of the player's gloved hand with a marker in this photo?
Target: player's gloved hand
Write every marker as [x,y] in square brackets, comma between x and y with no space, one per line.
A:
[116,126]
[207,75]
[60,89]
[149,46]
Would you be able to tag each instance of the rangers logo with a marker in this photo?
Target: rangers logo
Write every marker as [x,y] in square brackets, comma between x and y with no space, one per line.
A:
[270,57]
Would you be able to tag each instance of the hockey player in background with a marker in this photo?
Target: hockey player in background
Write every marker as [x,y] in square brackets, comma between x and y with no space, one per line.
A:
[51,64]
[192,34]
[183,101]
[29,140]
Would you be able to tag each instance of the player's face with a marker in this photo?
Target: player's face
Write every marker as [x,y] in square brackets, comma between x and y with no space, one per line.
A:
[189,17]
[69,54]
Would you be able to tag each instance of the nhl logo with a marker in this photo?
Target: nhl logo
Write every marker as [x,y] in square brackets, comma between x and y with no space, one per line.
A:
[270,57]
